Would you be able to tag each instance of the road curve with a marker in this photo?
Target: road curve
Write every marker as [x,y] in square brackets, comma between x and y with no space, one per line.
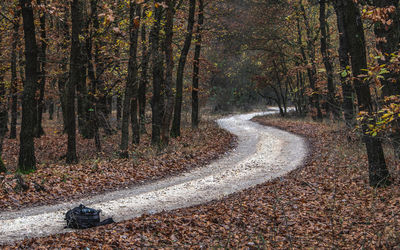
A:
[262,153]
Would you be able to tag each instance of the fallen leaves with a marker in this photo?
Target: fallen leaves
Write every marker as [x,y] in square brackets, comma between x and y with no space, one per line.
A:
[327,203]
[96,173]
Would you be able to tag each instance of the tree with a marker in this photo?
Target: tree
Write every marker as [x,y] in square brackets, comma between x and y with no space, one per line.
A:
[42,68]
[387,32]
[3,115]
[130,103]
[196,63]
[74,80]
[311,71]
[344,61]
[169,58]
[354,32]
[176,123]
[324,28]
[14,80]
[27,161]
[157,72]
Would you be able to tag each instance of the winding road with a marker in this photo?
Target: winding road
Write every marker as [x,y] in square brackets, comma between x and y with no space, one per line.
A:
[262,153]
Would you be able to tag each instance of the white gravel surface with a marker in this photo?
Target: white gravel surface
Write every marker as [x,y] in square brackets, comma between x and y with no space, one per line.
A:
[262,153]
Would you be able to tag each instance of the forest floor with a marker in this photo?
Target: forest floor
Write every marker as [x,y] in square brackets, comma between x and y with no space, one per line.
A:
[262,153]
[327,203]
[98,172]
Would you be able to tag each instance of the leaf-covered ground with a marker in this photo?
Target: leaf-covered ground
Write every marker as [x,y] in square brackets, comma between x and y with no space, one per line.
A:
[55,181]
[327,203]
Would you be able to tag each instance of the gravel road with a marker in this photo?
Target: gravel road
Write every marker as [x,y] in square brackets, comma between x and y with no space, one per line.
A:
[262,153]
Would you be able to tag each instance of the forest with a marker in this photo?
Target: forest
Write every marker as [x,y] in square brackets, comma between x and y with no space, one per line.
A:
[200,123]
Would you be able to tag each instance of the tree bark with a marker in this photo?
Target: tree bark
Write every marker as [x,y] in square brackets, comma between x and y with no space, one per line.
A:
[42,67]
[327,59]
[176,123]
[388,38]
[344,61]
[133,77]
[354,32]
[27,161]
[144,78]
[129,104]
[169,58]
[196,68]
[75,78]
[157,61]
[85,108]
[311,72]
[14,80]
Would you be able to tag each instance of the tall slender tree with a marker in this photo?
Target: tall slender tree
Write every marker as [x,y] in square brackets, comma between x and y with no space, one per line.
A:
[344,61]
[157,72]
[27,161]
[129,102]
[331,106]
[311,71]
[354,32]
[176,123]
[196,66]
[42,67]
[169,58]
[144,76]
[14,79]
[74,79]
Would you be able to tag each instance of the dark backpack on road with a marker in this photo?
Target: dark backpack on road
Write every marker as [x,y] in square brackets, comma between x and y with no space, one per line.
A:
[83,217]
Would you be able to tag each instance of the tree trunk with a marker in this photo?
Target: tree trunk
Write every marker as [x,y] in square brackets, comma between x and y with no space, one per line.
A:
[344,60]
[14,80]
[388,38]
[327,59]
[156,102]
[169,58]
[129,102]
[63,77]
[133,77]
[27,161]
[176,124]
[74,80]
[143,79]
[354,32]
[315,97]
[196,64]
[42,67]
[85,125]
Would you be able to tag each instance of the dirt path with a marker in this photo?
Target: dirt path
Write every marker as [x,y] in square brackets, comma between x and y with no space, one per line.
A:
[262,153]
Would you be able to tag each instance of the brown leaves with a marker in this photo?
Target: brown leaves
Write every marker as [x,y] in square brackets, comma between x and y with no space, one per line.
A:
[325,204]
[96,173]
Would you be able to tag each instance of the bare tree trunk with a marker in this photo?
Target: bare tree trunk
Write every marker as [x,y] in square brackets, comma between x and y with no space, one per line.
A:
[3,114]
[327,60]
[42,63]
[167,116]
[196,64]
[75,78]
[14,80]
[156,102]
[176,123]
[129,104]
[144,78]
[27,161]
[134,80]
